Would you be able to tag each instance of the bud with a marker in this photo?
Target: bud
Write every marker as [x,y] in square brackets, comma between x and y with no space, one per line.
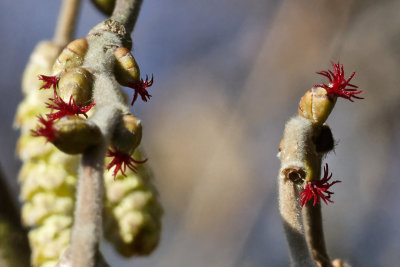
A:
[126,68]
[127,134]
[78,83]
[73,135]
[105,6]
[72,56]
[316,106]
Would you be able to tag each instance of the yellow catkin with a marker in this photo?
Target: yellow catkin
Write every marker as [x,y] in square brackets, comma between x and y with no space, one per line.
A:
[133,212]
[48,176]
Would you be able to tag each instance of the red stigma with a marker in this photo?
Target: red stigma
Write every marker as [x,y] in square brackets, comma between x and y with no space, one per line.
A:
[338,86]
[46,130]
[66,109]
[121,160]
[140,89]
[50,81]
[318,189]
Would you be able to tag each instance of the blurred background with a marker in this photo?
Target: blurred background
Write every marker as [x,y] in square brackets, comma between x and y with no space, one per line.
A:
[228,74]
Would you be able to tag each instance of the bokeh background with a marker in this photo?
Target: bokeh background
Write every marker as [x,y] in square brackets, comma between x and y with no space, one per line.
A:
[228,74]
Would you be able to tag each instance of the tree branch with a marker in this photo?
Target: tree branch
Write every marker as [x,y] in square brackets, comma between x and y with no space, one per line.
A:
[312,218]
[126,12]
[110,104]
[66,22]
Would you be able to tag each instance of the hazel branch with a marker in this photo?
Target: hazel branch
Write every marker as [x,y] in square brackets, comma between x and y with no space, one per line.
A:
[103,39]
[305,141]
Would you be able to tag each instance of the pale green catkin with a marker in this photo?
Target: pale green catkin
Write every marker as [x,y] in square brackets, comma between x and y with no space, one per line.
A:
[133,212]
[48,176]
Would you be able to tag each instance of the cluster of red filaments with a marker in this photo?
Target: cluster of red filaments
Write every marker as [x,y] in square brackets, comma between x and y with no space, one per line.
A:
[121,160]
[49,81]
[61,107]
[45,129]
[318,189]
[140,89]
[338,86]
[66,109]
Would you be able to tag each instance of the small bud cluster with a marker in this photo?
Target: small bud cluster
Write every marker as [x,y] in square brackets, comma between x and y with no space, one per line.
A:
[72,88]
[76,81]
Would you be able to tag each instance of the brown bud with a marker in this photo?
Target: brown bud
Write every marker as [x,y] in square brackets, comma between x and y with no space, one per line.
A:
[72,56]
[128,134]
[126,68]
[105,6]
[73,135]
[78,83]
[316,106]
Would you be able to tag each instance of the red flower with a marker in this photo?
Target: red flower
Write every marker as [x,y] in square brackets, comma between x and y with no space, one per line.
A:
[49,81]
[318,189]
[122,160]
[338,86]
[140,89]
[66,109]
[46,130]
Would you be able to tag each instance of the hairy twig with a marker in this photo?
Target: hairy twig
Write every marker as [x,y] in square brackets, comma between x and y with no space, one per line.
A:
[314,233]
[66,22]
[297,138]
[102,40]
[306,140]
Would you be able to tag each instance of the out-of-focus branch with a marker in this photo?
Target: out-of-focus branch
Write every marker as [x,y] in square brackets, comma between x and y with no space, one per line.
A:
[66,22]
[14,247]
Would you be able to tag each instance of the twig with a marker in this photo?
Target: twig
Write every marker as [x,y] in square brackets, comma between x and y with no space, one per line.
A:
[296,140]
[126,12]
[66,22]
[102,39]
[312,218]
